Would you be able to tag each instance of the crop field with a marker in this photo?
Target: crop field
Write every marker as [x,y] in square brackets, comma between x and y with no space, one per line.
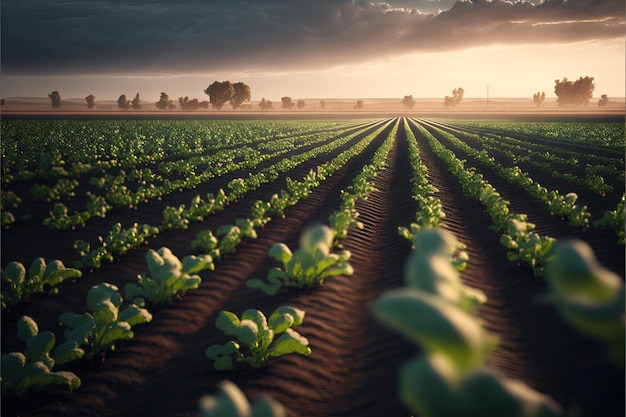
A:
[167,233]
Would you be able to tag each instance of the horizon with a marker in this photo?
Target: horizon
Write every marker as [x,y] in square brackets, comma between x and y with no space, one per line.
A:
[330,48]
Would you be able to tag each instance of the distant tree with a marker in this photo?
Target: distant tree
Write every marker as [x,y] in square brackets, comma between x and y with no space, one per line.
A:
[408,102]
[122,103]
[604,100]
[300,104]
[322,104]
[457,96]
[575,93]
[136,103]
[164,102]
[220,93]
[265,104]
[359,105]
[538,98]
[91,101]
[287,102]
[55,98]
[241,95]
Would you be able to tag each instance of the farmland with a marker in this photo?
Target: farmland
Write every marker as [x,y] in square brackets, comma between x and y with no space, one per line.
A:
[99,194]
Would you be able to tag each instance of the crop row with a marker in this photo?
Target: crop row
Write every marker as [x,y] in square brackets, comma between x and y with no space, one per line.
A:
[98,331]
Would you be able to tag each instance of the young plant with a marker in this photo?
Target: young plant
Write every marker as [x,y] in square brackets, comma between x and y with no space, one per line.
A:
[308,266]
[208,243]
[18,286]
[231,235]
[230,401]
[104,325]
[255,336]
[452,377]
[167,277]
[33,368]
[588,296]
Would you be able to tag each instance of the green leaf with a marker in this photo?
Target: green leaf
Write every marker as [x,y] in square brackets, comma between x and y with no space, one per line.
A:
[15,273]
[114,332]
[224,363]
[214,351]
[256,316]
[436,325]
[134,315]
[26,328]
[73,320]
[290,342]
[280,252]
[12,367]
[428,387]
[228,402]
[82,333]
[37,268]
[247,332]
[228,322]
[281,322]
[39,347]
[67,352]
[298,315]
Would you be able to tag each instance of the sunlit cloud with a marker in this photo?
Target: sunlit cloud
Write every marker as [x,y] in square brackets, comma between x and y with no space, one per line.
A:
[194,37]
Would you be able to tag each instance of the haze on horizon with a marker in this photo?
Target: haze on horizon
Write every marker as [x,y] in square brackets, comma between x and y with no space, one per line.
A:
[310,48]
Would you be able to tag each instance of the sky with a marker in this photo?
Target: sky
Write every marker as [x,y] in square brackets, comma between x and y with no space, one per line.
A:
[309,48]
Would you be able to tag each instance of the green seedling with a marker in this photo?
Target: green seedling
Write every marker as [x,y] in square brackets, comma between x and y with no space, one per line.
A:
[230,401]
[19,286]
[588,296]
[105,324]
[167,277]
[308,266]
[33,368]
[256,338]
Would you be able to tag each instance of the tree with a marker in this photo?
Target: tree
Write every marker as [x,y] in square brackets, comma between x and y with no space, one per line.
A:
[241,95]
[91,101]
[575,93]
[604,100]
[301,104]
[408,102]
[55,97]
[136,102]
[457,96]
[265,104]
[220,93]
[122,103]
[538,99]
[287,102]
[164,102]
[322,104]
[359,105]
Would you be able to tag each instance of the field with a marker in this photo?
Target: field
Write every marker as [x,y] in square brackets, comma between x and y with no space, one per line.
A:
[148,172]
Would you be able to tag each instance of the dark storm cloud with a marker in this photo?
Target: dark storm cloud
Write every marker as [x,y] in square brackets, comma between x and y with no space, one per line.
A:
[194,36]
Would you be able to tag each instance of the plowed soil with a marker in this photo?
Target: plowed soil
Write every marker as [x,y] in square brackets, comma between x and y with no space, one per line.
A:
[353,368]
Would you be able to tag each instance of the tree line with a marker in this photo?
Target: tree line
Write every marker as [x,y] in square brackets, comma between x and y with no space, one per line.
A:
[569,94]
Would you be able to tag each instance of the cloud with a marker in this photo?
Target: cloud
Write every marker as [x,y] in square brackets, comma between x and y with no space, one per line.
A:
[194,36]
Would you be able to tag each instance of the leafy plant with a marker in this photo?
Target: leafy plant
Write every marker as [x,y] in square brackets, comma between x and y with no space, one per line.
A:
[588,296]
[436,312]
[308,266]
[206,241]
[33,368]
[18,286]
[614,219]
[255,335]
[230,401]
[167,277]
[104,325]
